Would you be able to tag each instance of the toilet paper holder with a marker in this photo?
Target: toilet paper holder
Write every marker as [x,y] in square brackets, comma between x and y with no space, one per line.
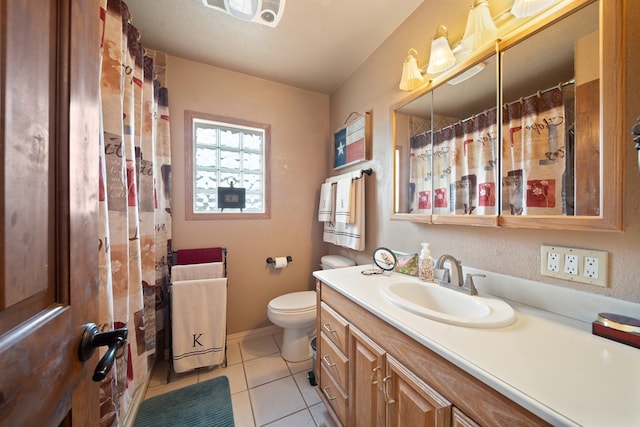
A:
[271,260]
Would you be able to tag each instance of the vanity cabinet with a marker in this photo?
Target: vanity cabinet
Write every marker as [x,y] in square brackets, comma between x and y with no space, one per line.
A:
[332,362]
[392,380]
[386,393]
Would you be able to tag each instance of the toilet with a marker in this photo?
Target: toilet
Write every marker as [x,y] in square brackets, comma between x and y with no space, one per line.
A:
[295,313]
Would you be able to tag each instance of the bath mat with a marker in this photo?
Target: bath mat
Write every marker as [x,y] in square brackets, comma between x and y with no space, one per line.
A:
[203,404]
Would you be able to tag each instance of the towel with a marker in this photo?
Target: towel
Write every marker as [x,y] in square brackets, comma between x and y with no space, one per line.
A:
[329,232]
[345,201]
[351,235]
[210,270]
[327,202]
[198,321]
[200,255]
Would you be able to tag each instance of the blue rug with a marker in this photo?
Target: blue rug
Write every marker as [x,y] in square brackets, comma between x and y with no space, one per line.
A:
[199,405]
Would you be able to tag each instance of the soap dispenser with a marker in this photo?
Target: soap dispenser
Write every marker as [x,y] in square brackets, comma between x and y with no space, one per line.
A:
[425,263]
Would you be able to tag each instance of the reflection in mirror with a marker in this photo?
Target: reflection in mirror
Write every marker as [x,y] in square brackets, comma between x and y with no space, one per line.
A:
[413,156]
[551,126]
[465,142]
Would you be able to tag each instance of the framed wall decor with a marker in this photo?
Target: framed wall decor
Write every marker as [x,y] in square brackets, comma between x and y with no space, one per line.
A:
[352,143]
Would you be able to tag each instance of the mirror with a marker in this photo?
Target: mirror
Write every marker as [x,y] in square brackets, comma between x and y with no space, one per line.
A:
[446,147]
[559,111]
[465,144]
[551,107]
[413,158]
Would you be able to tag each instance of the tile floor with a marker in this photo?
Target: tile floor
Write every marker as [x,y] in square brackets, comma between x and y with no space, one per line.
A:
[266,390]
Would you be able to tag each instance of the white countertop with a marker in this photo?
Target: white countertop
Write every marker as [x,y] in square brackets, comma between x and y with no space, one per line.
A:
[550,364]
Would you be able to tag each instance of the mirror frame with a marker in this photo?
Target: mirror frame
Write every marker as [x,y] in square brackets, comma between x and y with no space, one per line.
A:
[612,134]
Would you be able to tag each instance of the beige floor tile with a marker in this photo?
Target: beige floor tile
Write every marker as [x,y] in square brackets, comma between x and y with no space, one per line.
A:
[242,413]
[275,400]
[309,392]
[304,366]
[233,354]
[265,369]
[260,382]
[177,382]
[299,419]
[235,374]
[258,347]
[321,415]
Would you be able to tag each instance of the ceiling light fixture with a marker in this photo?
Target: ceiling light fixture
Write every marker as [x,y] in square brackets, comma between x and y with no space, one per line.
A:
[524,8]
[441,58]
[411,75]
[266,12]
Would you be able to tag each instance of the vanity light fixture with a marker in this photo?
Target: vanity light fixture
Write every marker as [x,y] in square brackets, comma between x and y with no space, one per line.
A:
[480,27]
[411,75]
[441,58]
[524,8]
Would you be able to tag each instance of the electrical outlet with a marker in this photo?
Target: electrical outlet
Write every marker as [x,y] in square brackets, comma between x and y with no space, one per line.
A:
[591,267]
[571,264]
[577,265]
[553,261]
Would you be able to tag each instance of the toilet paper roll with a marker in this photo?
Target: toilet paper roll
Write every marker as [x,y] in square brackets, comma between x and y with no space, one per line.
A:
[281,262]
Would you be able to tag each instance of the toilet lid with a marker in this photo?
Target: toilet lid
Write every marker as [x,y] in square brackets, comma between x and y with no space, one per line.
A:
[295,301]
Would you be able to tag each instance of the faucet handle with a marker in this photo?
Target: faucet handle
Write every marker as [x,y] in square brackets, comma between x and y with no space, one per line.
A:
[468,283]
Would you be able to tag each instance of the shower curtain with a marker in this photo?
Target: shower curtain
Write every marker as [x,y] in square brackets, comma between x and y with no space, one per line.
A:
[135,221]
[533,153]
[464,166]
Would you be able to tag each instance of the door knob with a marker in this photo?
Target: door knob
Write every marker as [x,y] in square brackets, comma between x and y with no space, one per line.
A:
[92,338]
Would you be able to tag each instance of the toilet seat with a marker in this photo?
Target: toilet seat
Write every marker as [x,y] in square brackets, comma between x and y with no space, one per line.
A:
[295,302]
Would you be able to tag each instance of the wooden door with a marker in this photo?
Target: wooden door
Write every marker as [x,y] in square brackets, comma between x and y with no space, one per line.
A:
[49,127]
[366,359]
[411,402]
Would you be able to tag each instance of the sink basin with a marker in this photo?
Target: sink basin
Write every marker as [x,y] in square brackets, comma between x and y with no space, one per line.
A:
[448,306]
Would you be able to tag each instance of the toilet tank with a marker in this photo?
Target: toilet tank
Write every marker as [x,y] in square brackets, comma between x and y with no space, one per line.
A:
[330,262]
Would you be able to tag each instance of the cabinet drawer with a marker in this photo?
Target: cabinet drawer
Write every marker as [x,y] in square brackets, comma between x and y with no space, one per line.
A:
[332,361]
[333,395]
[334,326]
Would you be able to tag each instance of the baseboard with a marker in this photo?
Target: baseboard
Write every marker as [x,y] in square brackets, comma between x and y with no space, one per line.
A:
[253,333]
[137,400]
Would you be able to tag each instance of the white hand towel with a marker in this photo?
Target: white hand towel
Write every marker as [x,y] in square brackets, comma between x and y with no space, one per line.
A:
[208,270]
[345,201]
[352,235]
[198,322]
[326,207]
[329,232]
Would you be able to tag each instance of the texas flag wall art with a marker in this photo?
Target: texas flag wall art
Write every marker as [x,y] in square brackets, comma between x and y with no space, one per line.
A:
[351,143]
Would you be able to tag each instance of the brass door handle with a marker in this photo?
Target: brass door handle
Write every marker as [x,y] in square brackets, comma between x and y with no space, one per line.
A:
[385,386]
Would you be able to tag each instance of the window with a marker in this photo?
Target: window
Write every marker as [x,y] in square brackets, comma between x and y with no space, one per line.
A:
[228,158]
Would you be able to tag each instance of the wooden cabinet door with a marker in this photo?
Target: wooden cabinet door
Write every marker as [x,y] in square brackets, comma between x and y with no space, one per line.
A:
[459,419]
[411,402]
[367,365]
[49,130]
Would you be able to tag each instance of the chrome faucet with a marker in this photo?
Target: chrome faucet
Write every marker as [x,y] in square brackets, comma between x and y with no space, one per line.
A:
[452,278]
